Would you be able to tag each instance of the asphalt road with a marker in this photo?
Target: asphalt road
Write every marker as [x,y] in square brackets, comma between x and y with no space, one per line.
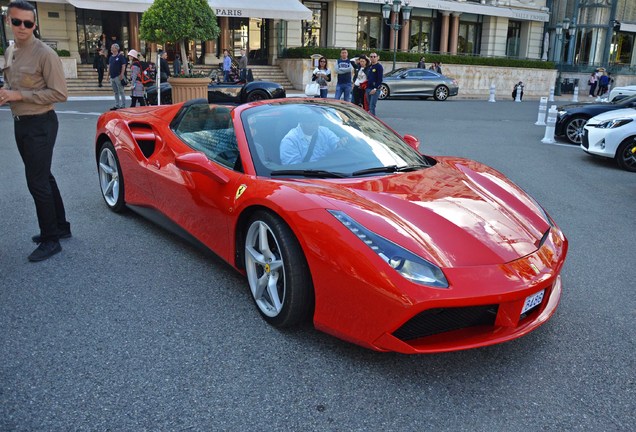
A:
[130,328]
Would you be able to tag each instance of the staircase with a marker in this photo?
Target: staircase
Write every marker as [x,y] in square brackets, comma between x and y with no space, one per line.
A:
[86,82]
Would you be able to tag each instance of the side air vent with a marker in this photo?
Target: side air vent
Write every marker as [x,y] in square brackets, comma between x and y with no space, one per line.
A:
[145,138]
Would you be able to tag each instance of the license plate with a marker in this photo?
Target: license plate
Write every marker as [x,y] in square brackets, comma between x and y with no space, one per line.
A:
[532,301]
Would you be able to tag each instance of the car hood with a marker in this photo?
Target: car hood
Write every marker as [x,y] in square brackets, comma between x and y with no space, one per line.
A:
[456,213]
[625,112]
[585,106]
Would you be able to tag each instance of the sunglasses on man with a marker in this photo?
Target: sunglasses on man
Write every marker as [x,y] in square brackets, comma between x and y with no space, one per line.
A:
[18,22]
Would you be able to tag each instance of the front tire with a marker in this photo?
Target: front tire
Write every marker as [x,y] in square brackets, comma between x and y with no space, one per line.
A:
[277,272]
[441,93]
[626,154]
[111,180]
[574,130]
[384,91]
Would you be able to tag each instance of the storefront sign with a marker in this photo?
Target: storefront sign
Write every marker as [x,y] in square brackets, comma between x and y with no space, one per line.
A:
[229,12]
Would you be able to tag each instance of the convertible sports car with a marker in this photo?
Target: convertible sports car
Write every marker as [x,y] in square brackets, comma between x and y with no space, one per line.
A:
[417,82]
[571,118]
[219,92]
[333,216]
[613,135]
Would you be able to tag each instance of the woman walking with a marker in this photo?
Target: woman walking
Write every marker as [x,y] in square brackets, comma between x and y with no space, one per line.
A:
[135,80]
[592,81]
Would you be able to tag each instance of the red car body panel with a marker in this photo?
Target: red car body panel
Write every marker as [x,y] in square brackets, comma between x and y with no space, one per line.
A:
[491,240]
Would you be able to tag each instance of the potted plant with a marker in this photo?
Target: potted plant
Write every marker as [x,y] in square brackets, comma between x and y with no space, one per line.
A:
[179,21]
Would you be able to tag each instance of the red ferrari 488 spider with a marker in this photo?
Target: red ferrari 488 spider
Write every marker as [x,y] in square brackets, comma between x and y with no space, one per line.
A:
[334,217]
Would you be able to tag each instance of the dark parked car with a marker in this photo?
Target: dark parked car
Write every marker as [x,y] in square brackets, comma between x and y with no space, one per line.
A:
[423,83]
[237,93]
[572,118]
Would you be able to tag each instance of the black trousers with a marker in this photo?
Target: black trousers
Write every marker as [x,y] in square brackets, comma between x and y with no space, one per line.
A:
[35,137]
[100,76]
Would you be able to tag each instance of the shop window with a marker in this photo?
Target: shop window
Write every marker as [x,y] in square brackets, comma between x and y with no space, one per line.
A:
[369,31]
[513,40]
[419,39]
[469,37]
[315,31]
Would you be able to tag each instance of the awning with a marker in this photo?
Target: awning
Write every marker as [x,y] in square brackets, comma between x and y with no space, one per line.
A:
[523,14]
[113,5]
[288,10]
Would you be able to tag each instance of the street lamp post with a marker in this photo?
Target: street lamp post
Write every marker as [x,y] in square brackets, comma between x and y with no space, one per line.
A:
[387,8]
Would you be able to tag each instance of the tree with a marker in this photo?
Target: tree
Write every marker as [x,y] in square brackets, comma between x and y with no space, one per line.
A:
[179,21]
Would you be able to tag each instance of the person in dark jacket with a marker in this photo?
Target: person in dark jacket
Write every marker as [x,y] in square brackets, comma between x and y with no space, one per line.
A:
[99,65]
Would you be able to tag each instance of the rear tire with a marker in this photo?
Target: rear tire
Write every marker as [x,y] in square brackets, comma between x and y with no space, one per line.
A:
[111,180]
[256,95]
[626,154]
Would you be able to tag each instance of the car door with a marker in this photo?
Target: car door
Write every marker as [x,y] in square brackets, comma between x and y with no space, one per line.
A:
[198,197]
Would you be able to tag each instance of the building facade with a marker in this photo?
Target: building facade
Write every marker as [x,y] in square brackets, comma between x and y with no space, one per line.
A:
[573,33]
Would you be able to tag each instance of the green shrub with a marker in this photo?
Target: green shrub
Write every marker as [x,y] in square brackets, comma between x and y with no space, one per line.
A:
[387,57]
[63,53]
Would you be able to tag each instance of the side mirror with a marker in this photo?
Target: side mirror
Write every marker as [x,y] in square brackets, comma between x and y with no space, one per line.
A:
[199,162]
[412,142]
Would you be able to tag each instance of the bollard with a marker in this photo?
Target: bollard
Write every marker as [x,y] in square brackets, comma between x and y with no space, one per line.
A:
[492,93]
[518,94]
[548,138]
[575,96]
[551,98]
[543,106]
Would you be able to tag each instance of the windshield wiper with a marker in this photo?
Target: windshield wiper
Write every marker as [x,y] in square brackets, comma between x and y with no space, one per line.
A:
[309,173]
[389,169]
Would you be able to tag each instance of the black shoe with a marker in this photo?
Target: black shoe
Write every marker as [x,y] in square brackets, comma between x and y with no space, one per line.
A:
[100,85]
[38,239]
[45,250]
[114,108]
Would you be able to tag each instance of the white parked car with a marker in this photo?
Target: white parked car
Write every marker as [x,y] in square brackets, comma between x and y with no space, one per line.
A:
[613,135]
[622,91]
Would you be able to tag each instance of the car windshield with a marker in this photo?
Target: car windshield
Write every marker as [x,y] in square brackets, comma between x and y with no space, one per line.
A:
[627,102]
[324,139]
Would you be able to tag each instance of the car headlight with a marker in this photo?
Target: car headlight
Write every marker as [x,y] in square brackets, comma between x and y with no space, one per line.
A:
[614,123]
[406,263]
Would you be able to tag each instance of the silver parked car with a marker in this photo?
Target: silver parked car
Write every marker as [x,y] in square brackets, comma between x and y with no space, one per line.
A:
[418,82]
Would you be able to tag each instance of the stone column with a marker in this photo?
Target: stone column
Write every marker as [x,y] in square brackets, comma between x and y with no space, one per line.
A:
[404,36]
[454,33]
[210,53]
[443,41]
[133,31]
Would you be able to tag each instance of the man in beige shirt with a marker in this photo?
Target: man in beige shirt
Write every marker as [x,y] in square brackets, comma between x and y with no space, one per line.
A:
[34,81]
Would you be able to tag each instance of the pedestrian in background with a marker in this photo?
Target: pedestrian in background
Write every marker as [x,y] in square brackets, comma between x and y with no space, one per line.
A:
[592,81]
[116,72]
[322,75]
[136,86]
[375,74]
[344,69]
[176,65]
[99,65]
[360,83]
[227,65]
[603,83]
[164,73]
[243,66]
[34,81]
[421,64]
